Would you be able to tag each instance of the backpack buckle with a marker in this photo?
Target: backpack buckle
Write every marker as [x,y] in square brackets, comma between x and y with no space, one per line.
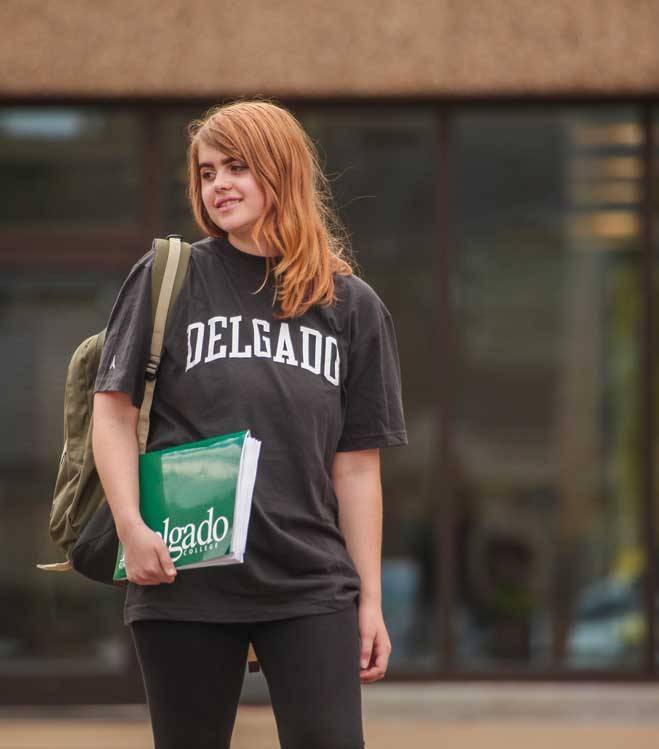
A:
[151,370]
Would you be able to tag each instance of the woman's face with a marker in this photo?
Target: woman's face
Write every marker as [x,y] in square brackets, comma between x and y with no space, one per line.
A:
[224,179]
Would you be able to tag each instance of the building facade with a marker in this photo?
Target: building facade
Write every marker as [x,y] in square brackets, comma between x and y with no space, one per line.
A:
[496,166]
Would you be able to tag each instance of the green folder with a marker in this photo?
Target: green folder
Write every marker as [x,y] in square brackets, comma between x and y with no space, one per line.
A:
[198,498]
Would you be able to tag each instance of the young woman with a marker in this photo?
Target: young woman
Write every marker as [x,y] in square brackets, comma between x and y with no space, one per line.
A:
[272,332]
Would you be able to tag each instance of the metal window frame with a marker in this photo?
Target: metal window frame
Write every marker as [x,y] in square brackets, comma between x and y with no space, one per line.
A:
[115,250]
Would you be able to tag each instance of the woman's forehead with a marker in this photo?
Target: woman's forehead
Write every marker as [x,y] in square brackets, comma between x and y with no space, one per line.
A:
[211,155]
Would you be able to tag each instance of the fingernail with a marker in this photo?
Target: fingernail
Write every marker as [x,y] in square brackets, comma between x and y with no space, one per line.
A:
[364,664]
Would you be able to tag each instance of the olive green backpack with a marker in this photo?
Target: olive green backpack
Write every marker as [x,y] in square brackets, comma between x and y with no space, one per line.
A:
[81,522]
[78,493]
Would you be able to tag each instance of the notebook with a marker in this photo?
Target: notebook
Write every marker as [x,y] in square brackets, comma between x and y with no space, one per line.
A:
[198,497]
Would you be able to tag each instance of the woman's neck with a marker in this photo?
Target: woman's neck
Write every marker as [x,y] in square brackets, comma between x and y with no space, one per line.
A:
[247,245]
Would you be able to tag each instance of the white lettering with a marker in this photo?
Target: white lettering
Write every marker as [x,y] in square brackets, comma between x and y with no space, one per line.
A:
[189,540]
[205,539]
[174,538]
[306,333]
[285,353]
[332,377]
[235,342]
[317,353]
[258,350]
[213,337]
[225,522]
[199,327]
[192,536]
[165,531]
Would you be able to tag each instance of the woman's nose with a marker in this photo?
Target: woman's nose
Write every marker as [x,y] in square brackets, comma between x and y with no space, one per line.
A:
[223,181]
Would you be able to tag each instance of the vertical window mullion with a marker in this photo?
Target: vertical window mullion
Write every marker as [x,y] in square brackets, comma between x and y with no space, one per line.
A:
[445,493]
[649,352]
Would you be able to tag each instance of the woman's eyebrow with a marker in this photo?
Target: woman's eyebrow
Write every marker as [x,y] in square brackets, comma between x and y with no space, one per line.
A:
[225,160]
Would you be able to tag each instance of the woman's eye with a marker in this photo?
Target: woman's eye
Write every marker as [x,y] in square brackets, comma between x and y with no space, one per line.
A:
[207,175]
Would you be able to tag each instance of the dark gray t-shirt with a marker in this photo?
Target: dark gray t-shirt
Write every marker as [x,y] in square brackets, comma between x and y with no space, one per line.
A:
[307,387]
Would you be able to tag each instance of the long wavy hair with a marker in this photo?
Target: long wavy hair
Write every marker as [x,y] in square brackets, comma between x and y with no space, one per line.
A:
[300,223]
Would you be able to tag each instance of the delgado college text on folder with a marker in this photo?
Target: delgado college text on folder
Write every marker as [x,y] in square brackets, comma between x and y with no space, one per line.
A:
[198,498]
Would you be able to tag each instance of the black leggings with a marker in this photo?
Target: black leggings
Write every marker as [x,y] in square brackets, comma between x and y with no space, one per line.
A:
[193,674]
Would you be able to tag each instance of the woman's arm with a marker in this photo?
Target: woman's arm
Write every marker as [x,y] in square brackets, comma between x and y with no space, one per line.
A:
[114,442]
[116,455]
[356,480]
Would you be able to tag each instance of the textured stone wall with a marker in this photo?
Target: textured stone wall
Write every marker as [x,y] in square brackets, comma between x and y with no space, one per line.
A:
[152,48]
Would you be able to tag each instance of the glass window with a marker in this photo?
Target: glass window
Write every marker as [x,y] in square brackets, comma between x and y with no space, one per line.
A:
[51,622]
[547,290]
[655,208]
[173,124]
[546,295]
[382,163]
[68,168]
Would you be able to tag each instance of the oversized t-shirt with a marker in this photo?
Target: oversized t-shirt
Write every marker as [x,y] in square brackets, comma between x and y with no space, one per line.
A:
[307,387]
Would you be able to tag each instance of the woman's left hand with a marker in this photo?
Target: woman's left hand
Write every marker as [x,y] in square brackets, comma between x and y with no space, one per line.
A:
[375,643]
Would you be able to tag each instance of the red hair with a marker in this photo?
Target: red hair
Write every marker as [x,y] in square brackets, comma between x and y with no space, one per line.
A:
[300,223]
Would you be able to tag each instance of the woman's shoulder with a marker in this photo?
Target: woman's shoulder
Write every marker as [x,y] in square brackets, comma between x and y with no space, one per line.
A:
[140,266]
[198,249]
[202,246]
[357,295]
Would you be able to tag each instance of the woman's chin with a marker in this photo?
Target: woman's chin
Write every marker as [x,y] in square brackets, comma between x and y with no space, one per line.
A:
[235,227]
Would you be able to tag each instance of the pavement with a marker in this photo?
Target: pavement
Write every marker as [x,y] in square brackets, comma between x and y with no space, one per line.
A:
[475,715]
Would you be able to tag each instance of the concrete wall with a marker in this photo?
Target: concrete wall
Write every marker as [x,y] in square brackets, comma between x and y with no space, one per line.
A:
[152,48]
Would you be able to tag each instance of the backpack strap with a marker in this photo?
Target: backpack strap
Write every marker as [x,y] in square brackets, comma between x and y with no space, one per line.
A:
[170,266]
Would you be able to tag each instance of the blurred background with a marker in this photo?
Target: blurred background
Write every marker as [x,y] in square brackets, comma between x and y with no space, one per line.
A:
[496,166]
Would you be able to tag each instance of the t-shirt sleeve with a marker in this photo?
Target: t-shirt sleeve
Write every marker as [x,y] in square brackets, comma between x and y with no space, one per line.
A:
[374,409]
[127,342]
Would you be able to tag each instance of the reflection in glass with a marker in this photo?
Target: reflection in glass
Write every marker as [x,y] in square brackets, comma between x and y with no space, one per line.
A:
[51,623]
[173,128]
[68,168]
[655,209]
[381,162]
[547,295]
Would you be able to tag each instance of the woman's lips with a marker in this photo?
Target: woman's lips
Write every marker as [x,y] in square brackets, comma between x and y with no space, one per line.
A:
[228,205]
